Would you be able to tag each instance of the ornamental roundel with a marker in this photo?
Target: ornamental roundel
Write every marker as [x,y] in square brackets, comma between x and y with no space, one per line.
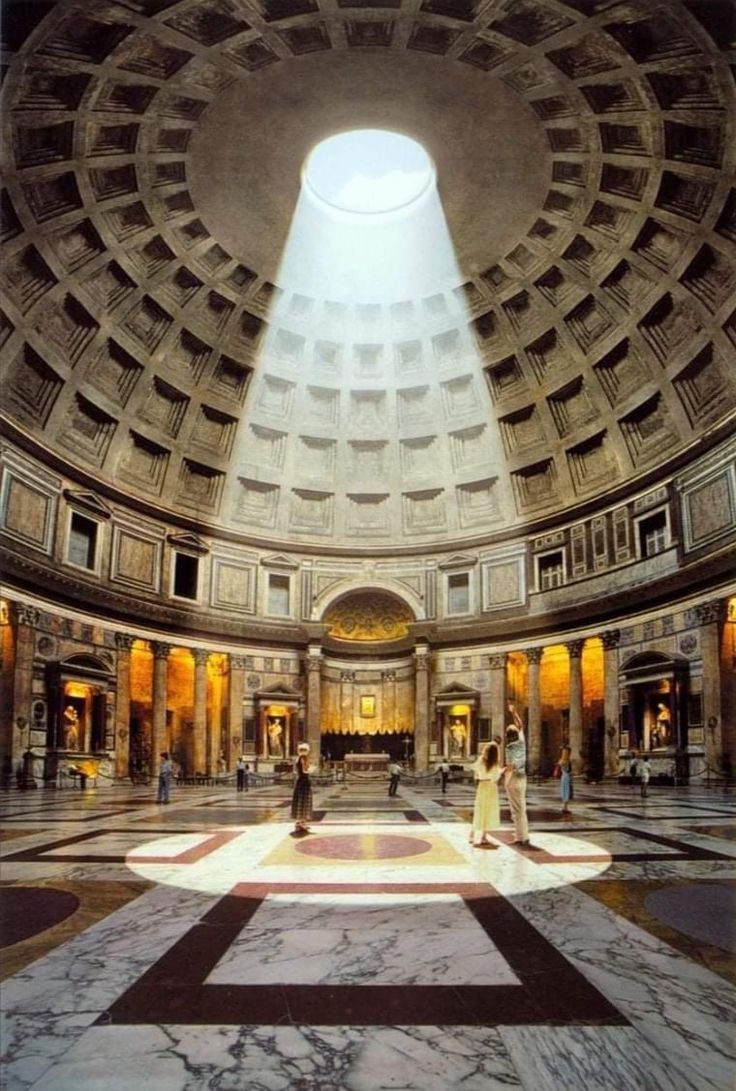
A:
[368,616]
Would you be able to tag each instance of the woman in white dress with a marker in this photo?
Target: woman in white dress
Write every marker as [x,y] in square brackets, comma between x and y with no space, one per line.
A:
[487,811]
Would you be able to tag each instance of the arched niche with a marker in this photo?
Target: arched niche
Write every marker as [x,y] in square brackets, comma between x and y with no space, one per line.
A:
[654,702]
[280,722]
[456,721]
[79,690]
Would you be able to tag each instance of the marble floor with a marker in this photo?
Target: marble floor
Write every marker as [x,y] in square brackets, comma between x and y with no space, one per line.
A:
[200,946]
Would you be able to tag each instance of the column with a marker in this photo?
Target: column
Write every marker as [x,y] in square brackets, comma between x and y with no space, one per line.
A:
[27,619]
[611,702]
[534,713]
[235,708]
[578,754]
[709,619]
[421,707]
[159,741]
[498,692]
[202,742]
[123,643]
[314,701]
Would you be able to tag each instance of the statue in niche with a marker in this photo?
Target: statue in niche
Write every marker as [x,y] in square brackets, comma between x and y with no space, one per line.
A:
[458,734]
[275,737]
[662,727]
[71,728]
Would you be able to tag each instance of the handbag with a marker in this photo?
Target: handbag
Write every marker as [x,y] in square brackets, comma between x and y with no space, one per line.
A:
[557,772]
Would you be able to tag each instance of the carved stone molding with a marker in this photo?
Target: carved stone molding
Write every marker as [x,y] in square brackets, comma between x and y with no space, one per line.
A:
[200,656]
[708,612]
[161,650]
[611,638]
[26,615]
[497,661]
[534,655]
[124,641]
[575,648]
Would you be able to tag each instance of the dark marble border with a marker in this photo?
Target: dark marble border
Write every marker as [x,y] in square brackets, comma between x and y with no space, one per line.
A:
[174,990]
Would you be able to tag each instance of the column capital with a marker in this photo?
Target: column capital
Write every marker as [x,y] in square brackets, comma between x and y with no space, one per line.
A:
[161,650]
[574,648]
[26,615]
[200,656]
[314,663]
[124,641]
[534,655]
[497,661]
[238,662]
[708,612]
[388,676]
[611,638]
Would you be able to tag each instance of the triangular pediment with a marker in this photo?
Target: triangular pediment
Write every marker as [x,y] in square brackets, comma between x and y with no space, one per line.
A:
[191,543]
[87,501]
[459,560]
[278,560]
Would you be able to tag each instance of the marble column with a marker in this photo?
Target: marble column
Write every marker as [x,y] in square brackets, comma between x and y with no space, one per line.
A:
[314,701]
[159,742]
[498,692]
[235,708]
[26,620]
[202,749]
[611,702]
[709,620]
[577,748]
[421,707]
[123,643]
[534,713]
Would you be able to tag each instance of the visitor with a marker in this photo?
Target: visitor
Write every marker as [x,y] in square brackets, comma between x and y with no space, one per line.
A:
[301,800]
[645,773]
[165,774]
[486,811]
[515,783]
[394,772]
[240,774]
[444,771]
[564,763]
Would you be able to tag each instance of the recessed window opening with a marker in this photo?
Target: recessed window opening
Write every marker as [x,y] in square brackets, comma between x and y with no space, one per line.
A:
[458,593]
[368,172]
[550,571]
[653,534]
[278,595]
[186,575]
[82,547]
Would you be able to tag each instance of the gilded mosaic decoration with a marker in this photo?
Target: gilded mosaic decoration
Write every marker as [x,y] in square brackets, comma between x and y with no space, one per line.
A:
[368,617]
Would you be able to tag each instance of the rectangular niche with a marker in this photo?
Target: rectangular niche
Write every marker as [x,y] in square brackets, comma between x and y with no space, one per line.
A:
[316,457]
[74,246]
[51,197]
[128,220]
[113,182]
[660,245]
[257,502]
[311,510]
[591,463]
[469,446]
[521,429]
[547,354]
[40,144]
[711,278]
[669,326]
[647,430]
[275,396]
[181,286]
[520,310]
[31,387]
[367,458]
[136,558]
[231,378]
[414,405]
[233,585]
[701,144]
[583,255]
[589,322]
[114,372]
[505,378]
[408,356]
[503,582]
[620,371]
[706,387]
[478,502]
[368,513]
[87,430]
[214,311]
[250,329]
[460,396]
[214,430]
[152,256]
[535,486]
[323,404]
[418,455]
[709,507]
[611,220]
[368,409]
[555,286]
[200,486]
[684,196]
[447,346]
[269,446]
[165,407]
[145,462]
[28,505]
[328,355]
[189,355]
[571,407]
[424,511]
[368,358]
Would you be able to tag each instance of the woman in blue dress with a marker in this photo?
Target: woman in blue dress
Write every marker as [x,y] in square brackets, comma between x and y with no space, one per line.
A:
[565,764]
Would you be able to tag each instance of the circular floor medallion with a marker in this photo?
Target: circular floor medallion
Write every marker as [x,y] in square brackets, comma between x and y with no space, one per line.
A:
[26,911]
[364,846]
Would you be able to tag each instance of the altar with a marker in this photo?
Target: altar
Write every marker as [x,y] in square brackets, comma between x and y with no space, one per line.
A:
[366,763]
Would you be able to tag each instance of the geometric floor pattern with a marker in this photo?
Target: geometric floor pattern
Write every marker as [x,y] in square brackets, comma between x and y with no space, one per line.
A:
[200,946]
